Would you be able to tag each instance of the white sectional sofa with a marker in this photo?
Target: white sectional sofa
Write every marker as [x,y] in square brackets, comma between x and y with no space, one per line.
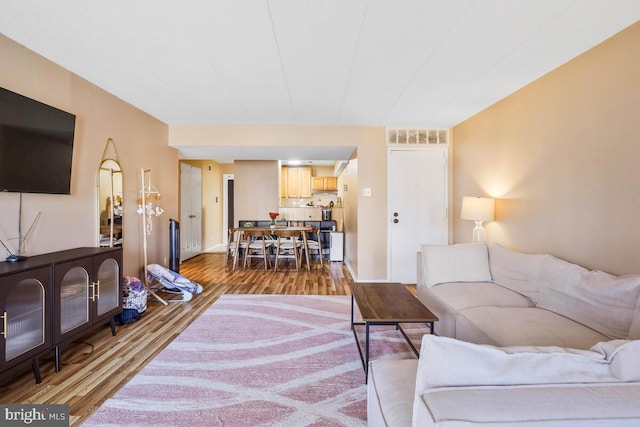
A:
[524,339]
[494,295]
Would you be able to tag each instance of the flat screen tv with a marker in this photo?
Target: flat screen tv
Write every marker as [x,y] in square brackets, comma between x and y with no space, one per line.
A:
[36,146]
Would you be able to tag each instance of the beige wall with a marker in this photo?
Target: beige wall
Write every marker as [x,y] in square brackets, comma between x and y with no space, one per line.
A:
[226,168]
[372,211]
[562,157]
[212,211]
[348,182]
[256,189]
[322,171]
[366,247]
[69,221]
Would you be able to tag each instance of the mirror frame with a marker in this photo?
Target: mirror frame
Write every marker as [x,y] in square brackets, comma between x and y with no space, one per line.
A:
[110,201]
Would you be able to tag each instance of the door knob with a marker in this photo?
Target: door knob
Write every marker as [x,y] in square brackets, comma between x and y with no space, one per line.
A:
[395,220]
[395,214]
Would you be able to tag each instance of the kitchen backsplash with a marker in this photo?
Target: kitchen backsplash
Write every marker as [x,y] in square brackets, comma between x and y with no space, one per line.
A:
[322,199]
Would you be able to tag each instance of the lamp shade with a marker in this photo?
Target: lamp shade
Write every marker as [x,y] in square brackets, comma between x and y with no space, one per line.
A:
[478,208]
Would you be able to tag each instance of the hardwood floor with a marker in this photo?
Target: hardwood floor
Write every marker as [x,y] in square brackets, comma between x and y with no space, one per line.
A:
[98,365]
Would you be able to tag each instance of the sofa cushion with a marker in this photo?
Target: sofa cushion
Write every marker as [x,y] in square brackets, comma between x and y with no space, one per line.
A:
[509,326]
[447,299]
[597,299]
[465,364]
[517,271]
[390,388]
[468,262]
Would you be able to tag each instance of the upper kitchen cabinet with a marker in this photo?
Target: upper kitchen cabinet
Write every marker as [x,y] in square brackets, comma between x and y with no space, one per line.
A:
[296,182]
[324,183]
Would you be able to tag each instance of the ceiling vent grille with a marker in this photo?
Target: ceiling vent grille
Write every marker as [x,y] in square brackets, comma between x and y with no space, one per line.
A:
[397,136]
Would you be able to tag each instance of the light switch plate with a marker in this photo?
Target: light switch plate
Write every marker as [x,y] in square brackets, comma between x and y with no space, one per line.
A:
[366,192]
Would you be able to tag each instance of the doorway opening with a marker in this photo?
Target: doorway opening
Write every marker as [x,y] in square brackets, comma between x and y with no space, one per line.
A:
[227,203]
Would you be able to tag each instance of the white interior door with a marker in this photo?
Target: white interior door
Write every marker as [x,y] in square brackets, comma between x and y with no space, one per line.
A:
[417,191]
[190,211]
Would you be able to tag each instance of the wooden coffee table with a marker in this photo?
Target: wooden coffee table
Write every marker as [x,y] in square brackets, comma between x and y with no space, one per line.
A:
[386,304]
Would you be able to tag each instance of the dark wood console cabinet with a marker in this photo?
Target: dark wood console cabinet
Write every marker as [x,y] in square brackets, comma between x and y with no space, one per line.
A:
[49,300]
[25,307]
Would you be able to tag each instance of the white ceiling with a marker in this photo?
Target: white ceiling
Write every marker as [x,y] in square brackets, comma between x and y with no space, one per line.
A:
[312,62]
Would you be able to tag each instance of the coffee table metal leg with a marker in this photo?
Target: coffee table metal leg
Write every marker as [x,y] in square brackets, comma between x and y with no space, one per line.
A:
[408,340]
[366,357]
[352,303]
[355,335]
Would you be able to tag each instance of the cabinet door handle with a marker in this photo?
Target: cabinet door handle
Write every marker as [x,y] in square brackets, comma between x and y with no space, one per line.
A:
[95,290]
[4,324]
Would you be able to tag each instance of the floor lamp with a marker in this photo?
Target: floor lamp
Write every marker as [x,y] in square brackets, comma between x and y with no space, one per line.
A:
[478,209]
[147,196]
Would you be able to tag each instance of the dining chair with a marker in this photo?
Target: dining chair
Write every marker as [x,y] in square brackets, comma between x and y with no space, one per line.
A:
[236,247]
[288,245]
[257,243]
[313,244]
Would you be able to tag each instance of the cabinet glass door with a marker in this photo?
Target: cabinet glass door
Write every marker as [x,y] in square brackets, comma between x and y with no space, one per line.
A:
[74,299]
[108,277]
[24,318]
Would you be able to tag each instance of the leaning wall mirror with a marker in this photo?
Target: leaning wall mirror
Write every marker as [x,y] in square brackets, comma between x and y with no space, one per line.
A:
[110,197]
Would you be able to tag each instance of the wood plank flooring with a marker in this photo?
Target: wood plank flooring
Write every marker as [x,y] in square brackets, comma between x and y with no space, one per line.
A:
[95,367]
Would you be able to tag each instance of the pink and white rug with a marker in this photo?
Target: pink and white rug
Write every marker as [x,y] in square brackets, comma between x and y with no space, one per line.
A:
[257,360]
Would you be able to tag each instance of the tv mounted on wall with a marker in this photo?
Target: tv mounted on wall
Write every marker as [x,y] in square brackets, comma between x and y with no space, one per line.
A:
[36,146]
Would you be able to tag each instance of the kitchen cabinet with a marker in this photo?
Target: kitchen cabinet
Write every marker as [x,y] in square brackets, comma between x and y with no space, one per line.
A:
[324,183]
[296,182]
[284,178]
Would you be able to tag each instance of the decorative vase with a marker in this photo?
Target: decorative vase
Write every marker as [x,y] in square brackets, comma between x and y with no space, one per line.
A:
[273,223]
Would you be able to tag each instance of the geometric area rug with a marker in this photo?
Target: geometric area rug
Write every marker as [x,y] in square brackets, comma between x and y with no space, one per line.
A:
[258,360]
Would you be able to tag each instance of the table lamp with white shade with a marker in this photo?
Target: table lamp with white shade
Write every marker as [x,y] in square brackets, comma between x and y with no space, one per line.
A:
[478,209]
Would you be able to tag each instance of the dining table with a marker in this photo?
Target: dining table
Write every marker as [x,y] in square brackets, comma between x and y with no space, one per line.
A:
[302,229]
